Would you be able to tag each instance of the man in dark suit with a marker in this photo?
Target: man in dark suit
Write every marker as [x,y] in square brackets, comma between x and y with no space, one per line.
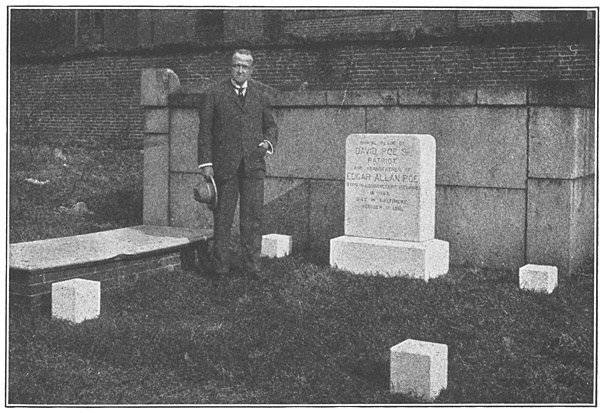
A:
[237,130]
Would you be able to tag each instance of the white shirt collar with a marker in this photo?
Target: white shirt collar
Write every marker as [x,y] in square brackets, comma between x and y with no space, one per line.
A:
[244,86]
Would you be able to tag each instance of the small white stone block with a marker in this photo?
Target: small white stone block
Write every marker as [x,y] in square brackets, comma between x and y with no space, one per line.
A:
[539,278]
[419,368]
[276,245]
[76,300]
[392,258]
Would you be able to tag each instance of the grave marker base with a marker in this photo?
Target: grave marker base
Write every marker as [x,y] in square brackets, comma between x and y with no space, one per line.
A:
[425,259]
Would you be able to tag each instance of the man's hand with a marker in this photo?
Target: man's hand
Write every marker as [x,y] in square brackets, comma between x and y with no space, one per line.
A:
[207,172]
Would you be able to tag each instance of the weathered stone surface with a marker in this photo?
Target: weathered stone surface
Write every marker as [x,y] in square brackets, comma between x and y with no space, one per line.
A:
[291,99]
[156,85]
[562,93]
[560,223]
[76,300]
[419,368]
[538,278]
[184,210]
[286,209]
[476,146]
[561,142]
[157,121]
[312,142]
[484,226]
[63,252]
[390,187]
[362,97]
[184,129]
[155,179]
[424,260]
[186,100]
[436,96]
[276,245]
[502,95]
[326,215]
[582,225]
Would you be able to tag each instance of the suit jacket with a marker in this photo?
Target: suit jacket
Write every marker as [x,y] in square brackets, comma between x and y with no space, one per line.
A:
[230,131]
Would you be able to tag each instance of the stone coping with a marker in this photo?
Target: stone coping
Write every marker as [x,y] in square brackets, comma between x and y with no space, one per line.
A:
[580,94]
[102,246]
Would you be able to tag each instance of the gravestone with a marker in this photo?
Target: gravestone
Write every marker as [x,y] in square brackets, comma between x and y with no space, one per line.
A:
[538,278]
[390,208]
[276,245]
[419,368]
[76,300]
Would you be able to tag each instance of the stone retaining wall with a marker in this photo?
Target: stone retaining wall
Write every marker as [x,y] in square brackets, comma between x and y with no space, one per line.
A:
[515,165]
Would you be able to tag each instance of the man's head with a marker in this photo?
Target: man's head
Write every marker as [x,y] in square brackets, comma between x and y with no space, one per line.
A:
[242,65]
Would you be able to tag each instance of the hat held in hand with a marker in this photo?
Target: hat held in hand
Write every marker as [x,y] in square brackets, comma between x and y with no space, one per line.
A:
[205,193]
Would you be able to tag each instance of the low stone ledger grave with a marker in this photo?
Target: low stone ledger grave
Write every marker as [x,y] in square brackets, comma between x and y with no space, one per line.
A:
[390,208]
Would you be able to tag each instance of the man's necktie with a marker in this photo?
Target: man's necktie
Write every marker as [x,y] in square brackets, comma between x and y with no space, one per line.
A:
[240,95]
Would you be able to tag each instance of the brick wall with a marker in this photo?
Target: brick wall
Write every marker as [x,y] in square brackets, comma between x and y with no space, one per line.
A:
[472,18]
[94,99]
[31,291]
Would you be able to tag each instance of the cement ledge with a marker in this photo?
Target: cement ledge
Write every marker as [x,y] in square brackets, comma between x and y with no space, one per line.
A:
[57,253]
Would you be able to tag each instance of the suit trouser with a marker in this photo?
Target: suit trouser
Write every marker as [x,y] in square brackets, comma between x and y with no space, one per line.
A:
[251,194]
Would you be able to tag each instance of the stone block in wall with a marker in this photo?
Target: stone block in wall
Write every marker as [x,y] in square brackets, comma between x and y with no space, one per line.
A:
[155,179]
[560,223]
[312,141]
[156,85]
[185,212]
[184,128]
[476,146]
[286,209]
[563,93]
[502,95]
[362,97]
[582,224]
[156,121]
[436,96]
[484,226]
[561,142]
[327,213]
[181,99]
[312,98]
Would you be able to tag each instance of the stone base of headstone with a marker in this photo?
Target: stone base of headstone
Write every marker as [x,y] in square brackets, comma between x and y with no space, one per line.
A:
[425,259]
[276,245]
[538,278]
[76,300]
[419,368]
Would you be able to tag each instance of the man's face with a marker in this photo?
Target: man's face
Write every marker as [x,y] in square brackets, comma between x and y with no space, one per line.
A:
[241,68]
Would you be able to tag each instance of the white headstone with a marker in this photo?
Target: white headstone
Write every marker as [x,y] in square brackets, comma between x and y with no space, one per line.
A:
[390,187]
[276,245]
[538,278]
[419,368]
[76,300]
[390,208]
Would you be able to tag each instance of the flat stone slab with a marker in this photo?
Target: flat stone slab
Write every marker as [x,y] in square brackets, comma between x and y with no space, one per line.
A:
[100,246]
[391,258]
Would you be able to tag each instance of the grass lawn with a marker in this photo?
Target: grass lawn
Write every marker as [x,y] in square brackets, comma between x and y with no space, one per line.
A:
[305,334]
